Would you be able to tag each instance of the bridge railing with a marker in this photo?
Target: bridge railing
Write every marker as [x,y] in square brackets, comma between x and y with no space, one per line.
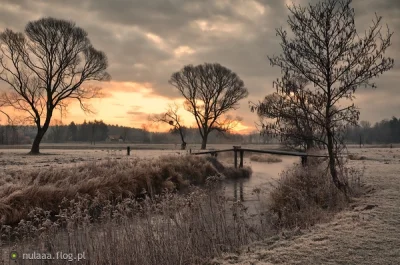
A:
[239,150]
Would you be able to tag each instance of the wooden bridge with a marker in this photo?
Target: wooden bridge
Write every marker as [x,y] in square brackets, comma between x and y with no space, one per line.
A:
[239,150]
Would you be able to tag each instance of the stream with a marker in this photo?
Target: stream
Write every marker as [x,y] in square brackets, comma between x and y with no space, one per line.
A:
[263,177]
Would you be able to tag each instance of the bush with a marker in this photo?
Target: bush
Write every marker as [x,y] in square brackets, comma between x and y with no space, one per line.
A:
[356,157]
[304,195]
[113,180]
[265,158]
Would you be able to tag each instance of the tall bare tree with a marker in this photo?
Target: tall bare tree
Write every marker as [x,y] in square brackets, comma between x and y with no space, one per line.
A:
[210,91]
[327,51]
[172,118]
[289,113]
[46,66]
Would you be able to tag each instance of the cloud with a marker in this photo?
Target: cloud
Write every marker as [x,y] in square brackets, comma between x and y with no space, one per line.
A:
[136,113]
[146,41]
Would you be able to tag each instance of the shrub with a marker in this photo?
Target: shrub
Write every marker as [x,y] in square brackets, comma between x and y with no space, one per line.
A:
[356,157]
[304,195]
[112,180]
[265,158]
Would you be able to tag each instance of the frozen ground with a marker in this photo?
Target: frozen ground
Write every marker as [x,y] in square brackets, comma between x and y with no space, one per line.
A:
[16,159]
[368,232]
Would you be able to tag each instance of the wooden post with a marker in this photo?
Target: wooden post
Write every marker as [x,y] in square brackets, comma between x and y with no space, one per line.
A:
[236,162]
[128,151]
[241,159]
[304,161]
[190,151]
[235,150]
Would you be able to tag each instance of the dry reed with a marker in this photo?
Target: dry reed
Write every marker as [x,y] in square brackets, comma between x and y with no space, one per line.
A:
[265,158]
[304,196]
[112,180]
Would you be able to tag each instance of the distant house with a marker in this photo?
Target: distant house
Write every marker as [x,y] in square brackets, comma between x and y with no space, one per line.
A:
[115,138]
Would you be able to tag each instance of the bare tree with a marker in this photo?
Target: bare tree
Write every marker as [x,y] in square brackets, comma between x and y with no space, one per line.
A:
[366,125]
[327,51]
[146,134]
[3,104]
[172,118]
[288,113]
[47,66]
[125,133]
[210,91]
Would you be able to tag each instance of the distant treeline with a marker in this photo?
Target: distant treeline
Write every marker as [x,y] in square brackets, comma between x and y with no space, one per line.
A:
[98,131]
[385,132]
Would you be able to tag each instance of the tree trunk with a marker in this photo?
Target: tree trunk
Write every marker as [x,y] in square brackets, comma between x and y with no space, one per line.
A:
[183,144]
[40,133]
[204,142]
[332,164]
[38,138]
[309,145]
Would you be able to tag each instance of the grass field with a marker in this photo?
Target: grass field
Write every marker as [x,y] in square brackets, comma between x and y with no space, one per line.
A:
[133,146]
[364,233]
[61,155]
[367,232]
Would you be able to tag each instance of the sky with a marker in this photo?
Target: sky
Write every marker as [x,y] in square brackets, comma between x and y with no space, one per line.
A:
[146,41]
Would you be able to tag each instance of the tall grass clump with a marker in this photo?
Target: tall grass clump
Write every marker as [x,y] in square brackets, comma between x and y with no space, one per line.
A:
[304,196]
[113,180]
[265,158]
[168,229]
[356,157]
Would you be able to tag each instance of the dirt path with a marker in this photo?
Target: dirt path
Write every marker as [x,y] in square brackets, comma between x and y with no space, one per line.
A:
[367,233]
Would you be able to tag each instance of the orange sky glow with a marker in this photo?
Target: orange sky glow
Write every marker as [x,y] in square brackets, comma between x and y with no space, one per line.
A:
[148,41]
[128,104]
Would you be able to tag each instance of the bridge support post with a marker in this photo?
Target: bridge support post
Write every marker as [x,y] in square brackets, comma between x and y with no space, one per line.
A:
[241,159]
[128,151]
[235,150]
[236,162]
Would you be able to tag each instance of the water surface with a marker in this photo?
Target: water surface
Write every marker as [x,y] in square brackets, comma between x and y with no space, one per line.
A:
[264,174]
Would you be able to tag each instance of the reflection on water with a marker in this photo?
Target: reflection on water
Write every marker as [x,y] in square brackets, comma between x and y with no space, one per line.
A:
[263,175]
[235,190]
